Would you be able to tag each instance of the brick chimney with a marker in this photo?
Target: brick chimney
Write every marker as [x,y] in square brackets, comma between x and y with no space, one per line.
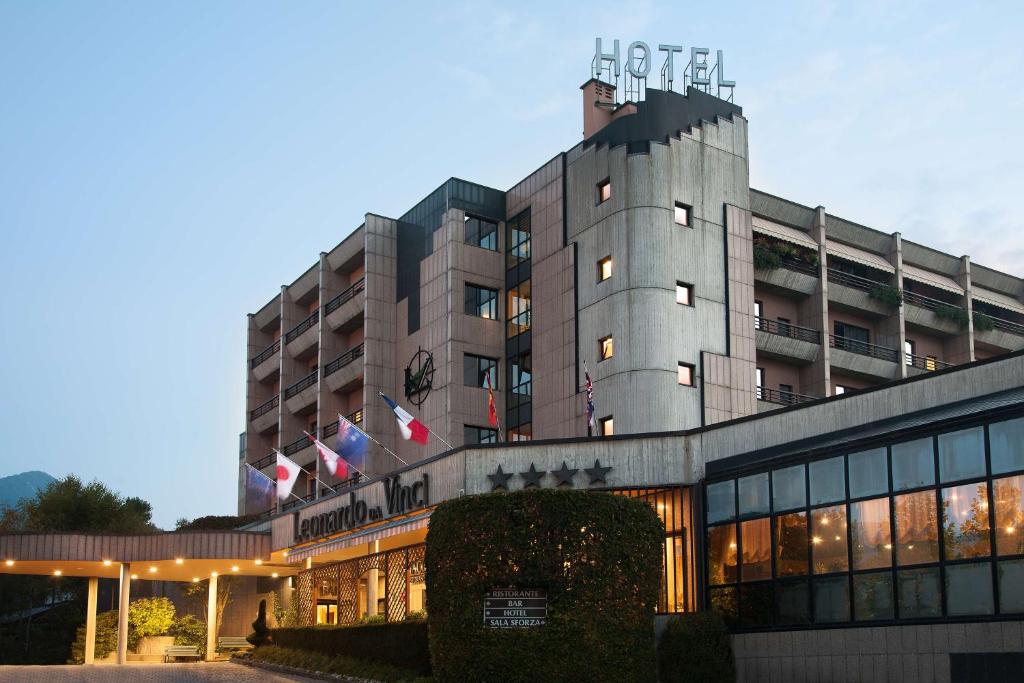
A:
[598,105]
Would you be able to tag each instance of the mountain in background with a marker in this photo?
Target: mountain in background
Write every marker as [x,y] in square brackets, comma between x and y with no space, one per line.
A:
[24,485]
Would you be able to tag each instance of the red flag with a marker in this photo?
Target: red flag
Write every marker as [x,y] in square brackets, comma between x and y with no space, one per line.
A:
[492,412]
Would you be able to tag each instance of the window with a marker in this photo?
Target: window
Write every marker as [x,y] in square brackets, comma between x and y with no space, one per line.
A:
[607,426]
[722,554]
[965,521]
[1006,440]
[721,501]
[913,464]
[828,540]
[840,389]
[521,375]
[604,269]
[523,432]
[828,483]
[786,393]
[481,233]
[869,534]
[788,488]
[753,492]
[476,368]
[605,348]
[682,214]
[920,593]
[909,348]
[685,374]
[791,544]
[1009,515]
[851,336]
[869,473]
[917,532]
[478,435]
[684,294]
[831,600]
[518,231]
[930,363]
[759,382]
[969,589]
[758,314]
[482,302]
[784,327]
[792,602]
[872,596]
[517,309]
[962,454]
[1011,586]
[604,191]
[756,537]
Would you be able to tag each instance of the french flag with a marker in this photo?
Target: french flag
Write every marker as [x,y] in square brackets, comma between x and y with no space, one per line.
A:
[411,427]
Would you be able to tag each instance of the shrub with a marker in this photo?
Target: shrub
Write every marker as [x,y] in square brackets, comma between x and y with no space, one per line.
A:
[333,664]
[696,647]
[106,638]
[952,313]
[149,617]
[764,258]
[401,644]
[598,557]
[188,630]
[887,294]
[982,322]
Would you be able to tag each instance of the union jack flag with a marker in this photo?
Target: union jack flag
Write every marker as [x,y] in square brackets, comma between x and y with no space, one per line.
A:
[591,418]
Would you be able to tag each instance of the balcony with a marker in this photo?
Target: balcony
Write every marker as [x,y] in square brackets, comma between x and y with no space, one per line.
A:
[933,314]
[265,416]
[786,341]
[297,501]
[355,418]
[301,452]
[1005,334]
[792,275]
[862,359]
[301,395]
[854,292]
[266,461]
[780,397]
[303,338]
[917,365]
[344,312]
[343,372]
[264,364]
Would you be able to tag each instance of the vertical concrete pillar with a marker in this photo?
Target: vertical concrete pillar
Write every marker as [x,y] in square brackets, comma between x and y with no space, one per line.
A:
[90,620]
[372,580]
[211,618]
[895,326]
[816,378]
[122,612]
[961,348]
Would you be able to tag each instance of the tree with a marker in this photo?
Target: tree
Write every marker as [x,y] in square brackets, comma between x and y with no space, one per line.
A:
[196,593]
[69,505]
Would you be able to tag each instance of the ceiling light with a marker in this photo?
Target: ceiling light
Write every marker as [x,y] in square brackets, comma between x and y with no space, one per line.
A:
[152,570]
[259,562]
[213,573]
[135,576]
[234,568]
[57,572]
[106,563]
[179,560]
[195,579]
[9,563]
[274,575]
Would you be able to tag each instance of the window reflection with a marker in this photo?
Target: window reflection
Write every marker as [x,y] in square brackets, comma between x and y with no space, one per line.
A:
[869,473]
[828,483]
[913,464]
[962,454]
[872,596]
[1009,515]
[788,488]
[965,521]
[920,595]
[917,528]
[869,531]
[754,494]
[791,548]
[757,549]
[722,554]
[828,539]
[1006,442]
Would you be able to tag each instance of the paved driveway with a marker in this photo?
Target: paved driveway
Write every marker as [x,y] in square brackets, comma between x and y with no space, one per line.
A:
[215,672]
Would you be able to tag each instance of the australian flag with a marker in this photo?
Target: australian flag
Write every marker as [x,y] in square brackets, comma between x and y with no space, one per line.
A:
[259,489]
[352,444]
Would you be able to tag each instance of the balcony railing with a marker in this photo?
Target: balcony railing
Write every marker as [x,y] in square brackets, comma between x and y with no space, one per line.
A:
[265,461]
[265,408]
[785,329]
[299,444]
[294,503]
[302,327]
[340,300]
[343,360]
[355,418]
[926,362]
[1006,325]
[790,263]
[854,281]
[786,398]
[922,301]
[265,354]
[304,383]
[863,348]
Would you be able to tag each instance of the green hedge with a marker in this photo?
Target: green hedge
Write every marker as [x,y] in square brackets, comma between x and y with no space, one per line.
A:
[401,644]
[696,647]
[598,557]
[338,665]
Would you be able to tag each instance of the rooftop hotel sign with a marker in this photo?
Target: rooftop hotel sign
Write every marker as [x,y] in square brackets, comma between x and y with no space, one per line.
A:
[698,72]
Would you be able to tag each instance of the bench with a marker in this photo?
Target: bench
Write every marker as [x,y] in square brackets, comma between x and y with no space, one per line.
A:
[230,643]
[181,652]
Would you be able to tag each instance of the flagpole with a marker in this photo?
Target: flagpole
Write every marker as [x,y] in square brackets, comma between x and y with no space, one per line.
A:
[370,437]
[274,482]
[313,474]
[490,399]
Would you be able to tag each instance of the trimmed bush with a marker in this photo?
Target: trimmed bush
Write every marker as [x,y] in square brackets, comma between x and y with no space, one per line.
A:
[345,666]
[189,630]
[597,556]
[696,647]
[401,644]
[106,638]
[148,617]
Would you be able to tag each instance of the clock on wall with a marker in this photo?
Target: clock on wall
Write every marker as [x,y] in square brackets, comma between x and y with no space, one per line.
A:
[419,377]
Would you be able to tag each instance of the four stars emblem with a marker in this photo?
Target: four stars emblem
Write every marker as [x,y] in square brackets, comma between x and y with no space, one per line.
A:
[564,475]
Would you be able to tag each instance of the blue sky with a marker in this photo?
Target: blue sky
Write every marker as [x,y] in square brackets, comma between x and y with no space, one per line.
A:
[164,168]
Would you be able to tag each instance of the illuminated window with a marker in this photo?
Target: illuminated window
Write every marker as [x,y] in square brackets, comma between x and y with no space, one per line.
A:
[869,533]
[607,426]
[684,294]
[917,531]
[965,521]
[517,309]
[518,239]
[722,554]
[685,374]
[1009,496]
[520,433]
[604,191]
[481,302]
[828,539]
[604,269]
[756,536]
[682,214]
[605,348]
[791,544]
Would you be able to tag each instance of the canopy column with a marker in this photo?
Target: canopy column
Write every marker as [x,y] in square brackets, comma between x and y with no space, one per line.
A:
[211,619]
[90,620]
[122,612]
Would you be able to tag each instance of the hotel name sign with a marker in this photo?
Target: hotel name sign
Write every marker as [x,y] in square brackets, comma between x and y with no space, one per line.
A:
[638,59]
[353,511]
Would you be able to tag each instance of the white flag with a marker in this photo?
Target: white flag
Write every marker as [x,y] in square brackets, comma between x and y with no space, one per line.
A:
[287,474]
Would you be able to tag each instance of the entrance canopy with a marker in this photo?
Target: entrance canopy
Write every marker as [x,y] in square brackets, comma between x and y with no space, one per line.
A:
[176,556]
